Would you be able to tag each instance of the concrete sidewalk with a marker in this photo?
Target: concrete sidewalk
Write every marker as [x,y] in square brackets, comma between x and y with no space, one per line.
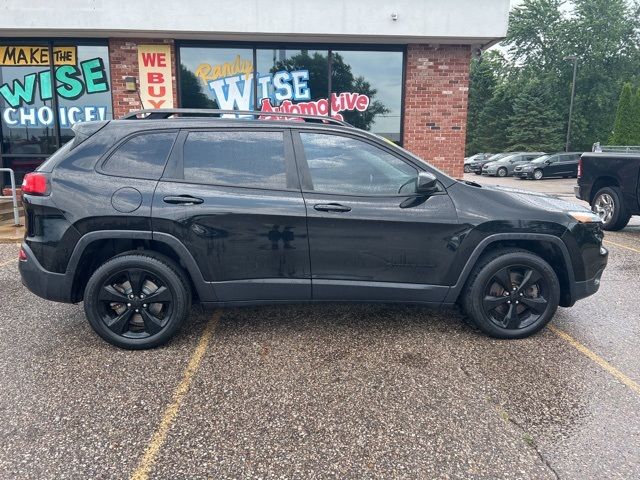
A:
[9,233]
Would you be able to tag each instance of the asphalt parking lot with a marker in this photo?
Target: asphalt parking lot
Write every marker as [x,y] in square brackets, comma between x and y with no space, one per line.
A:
[328,391]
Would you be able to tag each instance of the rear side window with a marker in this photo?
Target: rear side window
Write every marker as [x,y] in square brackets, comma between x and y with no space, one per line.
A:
[243,159]
[142,156]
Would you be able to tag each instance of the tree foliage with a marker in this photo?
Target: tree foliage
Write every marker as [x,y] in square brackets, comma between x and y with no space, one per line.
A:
[604,35]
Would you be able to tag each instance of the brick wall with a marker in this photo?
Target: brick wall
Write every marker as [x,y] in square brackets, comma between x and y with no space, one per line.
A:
[123,59]
[435,106]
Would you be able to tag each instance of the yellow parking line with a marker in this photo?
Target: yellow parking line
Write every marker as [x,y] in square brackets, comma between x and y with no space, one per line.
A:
[617,374]
[7,263]
[622,246]
[160,435]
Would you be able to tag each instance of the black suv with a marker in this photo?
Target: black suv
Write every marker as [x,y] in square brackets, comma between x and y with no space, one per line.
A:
[140,218]
[563,165]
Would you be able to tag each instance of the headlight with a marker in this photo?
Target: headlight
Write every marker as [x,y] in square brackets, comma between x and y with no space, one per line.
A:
[527,169]
[585,216]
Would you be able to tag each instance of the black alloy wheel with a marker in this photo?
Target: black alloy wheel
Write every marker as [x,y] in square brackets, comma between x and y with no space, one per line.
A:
[511,293]
[515,297]
[134,303]
[137,301]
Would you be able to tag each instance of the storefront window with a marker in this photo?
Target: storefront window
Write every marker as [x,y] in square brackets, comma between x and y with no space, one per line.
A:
[294,81]
[216,78]
[31,124]
[366,89]
[83,89]
[366,86]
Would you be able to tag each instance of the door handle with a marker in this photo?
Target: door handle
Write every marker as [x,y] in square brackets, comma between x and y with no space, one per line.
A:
[183,200]
[331,207]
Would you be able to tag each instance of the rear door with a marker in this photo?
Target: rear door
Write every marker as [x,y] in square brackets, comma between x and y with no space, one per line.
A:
[569,164]
[371,238]
[232,197]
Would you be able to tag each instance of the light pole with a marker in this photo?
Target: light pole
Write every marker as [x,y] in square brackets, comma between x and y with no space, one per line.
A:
[573,58]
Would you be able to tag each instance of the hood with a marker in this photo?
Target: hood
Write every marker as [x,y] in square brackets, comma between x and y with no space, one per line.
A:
[537,199]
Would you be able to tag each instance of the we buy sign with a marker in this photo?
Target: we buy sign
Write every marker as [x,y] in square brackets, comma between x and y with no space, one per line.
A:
[154,67]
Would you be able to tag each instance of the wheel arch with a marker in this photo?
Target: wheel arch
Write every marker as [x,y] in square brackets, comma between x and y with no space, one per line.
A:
[601,182]
[549,247]
[95,248]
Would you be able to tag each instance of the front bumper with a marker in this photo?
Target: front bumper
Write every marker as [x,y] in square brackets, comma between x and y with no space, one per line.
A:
[523,174]
[43,283]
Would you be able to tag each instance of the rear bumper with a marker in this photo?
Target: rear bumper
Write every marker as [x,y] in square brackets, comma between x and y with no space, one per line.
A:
[43,283]
[577,191]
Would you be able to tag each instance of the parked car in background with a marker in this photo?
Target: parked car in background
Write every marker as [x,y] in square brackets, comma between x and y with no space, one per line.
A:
[610,182]
[506,166]
[478,157]
[476,165]
[563,164]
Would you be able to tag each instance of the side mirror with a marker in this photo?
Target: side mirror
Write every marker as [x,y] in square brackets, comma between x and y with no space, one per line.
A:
[426,183]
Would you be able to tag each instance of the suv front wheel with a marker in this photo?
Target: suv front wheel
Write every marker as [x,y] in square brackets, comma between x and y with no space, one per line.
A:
[137,300]
[511,293]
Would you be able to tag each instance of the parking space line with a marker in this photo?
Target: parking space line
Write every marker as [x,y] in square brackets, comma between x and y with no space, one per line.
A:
[613,371]
[9,262]
[622,246]
[160,435]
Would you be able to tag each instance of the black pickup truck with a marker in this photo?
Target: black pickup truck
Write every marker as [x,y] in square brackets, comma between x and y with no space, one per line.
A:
[610,182]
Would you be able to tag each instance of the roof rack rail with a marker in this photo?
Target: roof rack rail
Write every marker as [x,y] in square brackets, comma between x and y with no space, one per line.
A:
[163,113]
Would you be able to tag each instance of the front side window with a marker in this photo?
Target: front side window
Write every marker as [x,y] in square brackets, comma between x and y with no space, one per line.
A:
[343,165]
[142,156]
[243,159]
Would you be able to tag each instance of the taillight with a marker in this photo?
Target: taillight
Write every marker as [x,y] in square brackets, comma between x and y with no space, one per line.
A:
[22,255]
[580,169]
[35,184]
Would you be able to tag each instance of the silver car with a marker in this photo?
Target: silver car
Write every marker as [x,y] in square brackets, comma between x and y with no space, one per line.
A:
[505,166]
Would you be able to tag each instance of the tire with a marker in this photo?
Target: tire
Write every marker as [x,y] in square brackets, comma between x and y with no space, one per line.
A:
[504,312]
[133,278]
[538,174]
[466,169]
[609,205]
[502,172]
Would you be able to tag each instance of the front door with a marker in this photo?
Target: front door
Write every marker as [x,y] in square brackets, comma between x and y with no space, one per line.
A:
[371,238]
[233,198]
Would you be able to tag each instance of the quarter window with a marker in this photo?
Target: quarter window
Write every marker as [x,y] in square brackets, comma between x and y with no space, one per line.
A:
[244,159]
[348,166]
[142,156]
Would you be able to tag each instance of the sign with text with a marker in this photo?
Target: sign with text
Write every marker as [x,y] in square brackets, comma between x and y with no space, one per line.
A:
[28,56]
[154,67]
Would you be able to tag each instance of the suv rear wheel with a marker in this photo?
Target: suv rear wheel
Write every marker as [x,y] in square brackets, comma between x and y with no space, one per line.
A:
[137,301]
[511,293]
[609,206]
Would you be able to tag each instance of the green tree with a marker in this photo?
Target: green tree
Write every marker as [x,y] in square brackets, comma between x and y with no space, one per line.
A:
[624,125]
[605,36]
[482,85]
[636,119]
[534,126]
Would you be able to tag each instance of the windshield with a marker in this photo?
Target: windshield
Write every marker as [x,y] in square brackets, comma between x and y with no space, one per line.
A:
[541,159]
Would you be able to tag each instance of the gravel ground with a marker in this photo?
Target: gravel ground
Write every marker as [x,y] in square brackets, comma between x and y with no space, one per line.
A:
[328,391]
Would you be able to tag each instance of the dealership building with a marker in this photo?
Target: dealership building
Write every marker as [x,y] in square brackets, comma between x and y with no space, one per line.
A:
[399,69]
